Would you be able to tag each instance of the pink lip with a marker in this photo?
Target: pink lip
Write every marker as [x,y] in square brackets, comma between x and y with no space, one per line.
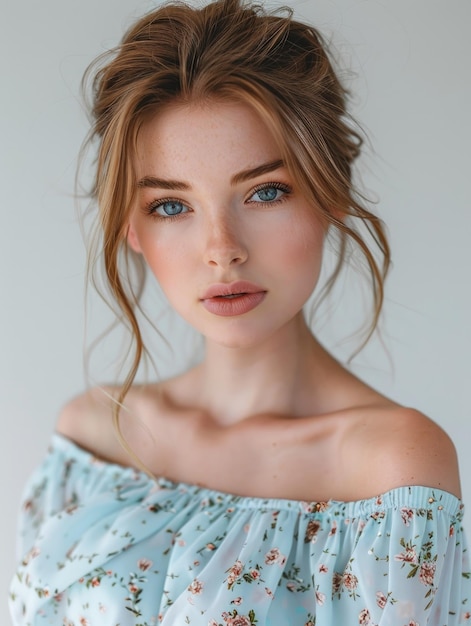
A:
[246,297]
[229,289]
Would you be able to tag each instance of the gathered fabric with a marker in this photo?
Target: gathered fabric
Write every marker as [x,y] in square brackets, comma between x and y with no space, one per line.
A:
[101,544]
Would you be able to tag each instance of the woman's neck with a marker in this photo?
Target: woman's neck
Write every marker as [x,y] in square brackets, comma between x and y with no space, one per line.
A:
[287,375]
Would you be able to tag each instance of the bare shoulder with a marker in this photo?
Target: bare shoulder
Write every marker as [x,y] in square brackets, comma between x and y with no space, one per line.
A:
[398,446]
[87,420]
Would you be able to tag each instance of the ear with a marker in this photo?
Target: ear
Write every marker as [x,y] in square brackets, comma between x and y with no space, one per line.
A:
[132,239]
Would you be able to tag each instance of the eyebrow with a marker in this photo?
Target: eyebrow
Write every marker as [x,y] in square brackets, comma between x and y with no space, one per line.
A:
[179,185]
[253,172]
[161,183]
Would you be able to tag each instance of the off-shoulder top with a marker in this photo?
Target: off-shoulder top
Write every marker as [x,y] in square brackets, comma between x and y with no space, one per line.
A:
[101,544]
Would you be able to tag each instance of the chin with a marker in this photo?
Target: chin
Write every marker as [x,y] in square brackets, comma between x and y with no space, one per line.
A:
[241,336]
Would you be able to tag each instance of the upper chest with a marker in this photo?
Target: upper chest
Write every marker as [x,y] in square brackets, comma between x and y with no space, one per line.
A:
[266,456]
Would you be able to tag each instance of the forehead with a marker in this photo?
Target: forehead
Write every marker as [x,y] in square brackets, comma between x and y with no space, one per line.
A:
[218,135]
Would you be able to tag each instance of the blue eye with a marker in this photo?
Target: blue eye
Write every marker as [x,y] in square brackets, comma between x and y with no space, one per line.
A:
[168,208]
[269,193]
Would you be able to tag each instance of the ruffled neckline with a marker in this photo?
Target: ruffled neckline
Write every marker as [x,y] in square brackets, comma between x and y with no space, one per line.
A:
[413,496]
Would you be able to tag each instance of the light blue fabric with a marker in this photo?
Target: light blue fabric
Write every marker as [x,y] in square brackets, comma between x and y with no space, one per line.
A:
[106,545]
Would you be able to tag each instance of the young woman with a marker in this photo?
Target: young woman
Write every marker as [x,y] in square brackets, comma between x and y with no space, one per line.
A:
[267,485]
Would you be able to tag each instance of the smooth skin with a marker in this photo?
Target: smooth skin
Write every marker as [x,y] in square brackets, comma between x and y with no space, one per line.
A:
[268,412]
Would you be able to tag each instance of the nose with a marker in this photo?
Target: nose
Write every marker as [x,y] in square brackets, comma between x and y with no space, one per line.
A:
[224,243]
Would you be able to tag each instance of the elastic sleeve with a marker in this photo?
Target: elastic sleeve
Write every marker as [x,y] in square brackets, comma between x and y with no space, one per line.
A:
[410,567]
[44,494]
[56,485]
[67,496]
[67,480]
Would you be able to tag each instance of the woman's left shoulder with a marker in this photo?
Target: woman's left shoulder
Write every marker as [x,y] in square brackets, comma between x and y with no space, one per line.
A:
[397,446]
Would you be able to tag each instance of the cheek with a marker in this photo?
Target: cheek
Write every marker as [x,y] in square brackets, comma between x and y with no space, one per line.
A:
[167,259]
[302,247]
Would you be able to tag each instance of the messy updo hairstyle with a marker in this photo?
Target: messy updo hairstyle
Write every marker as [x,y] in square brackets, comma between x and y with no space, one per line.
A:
[227,50]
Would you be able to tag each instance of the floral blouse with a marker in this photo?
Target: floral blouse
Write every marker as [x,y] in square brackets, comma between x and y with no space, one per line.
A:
[104,545]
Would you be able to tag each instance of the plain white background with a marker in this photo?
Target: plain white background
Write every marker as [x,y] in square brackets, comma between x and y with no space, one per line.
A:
[412,94]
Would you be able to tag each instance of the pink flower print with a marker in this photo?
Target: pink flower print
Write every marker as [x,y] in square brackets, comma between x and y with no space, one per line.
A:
[246,528]
[133,588]
[312,529]
[234,573]
[84,622]
[333,529]
[144,564]
[237,601]
[255,574]
[212,622]
[377,515]
[196,587]
[364,618]
[381,599]
[210,546]
[196,563]
[271,556]
[320,598]
[274,556]
[452,531]
[337,580]
[236,569]
[269,592]
[350,581]
[379,500]
[466,616]
[412,623]
[32,554]
[427,573]
[291,587]
[238,620]
[408,556]
[95,582]
[406,515]
[323,569]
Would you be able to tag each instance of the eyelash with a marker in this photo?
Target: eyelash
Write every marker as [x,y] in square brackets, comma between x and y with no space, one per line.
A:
[150,208]
[286,189]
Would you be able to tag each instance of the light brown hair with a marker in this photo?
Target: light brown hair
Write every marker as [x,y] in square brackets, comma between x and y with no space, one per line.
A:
[232,50]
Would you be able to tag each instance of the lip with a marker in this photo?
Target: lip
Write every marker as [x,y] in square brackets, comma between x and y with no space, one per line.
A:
[246,296]
[230,289]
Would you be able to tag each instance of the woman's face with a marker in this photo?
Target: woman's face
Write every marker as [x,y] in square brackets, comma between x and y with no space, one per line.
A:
[234,245]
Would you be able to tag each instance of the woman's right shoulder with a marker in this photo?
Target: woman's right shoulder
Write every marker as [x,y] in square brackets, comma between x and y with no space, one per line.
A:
[87,420]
